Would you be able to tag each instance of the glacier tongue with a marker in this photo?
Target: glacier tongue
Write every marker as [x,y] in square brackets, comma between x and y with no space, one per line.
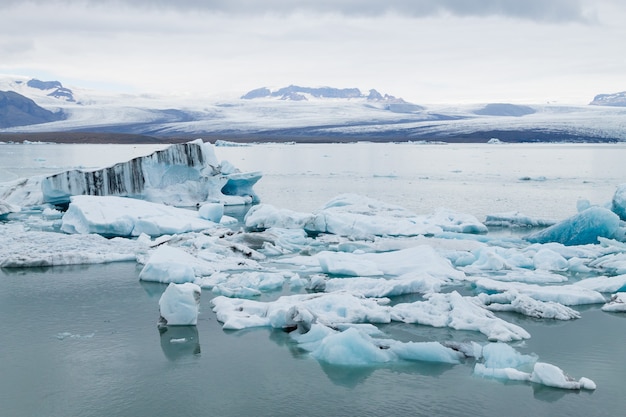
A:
[182,175]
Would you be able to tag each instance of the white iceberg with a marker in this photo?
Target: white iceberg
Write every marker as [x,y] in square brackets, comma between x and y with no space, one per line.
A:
[501,361]
[364,218]
[617,303]
[265,216]
[421,259]
[604,284]
[287,311]
[120,216]
[523,304]
[168,264]
[21,248]
[457,312]
[569,295]
[553,376]
[178,305]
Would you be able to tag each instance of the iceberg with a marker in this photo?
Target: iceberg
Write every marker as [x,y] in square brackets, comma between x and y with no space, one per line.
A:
[364,218]
[604,284]
[178,305]
[120,216]
[21,248]
[617,303]
[287,311]
[186,174]
[515,219]
[569,295]
[618,203]
[168,264]
[265,216]
[582,229]
[421,259]
[523,304]
[553,376]
[7,208]
[457,312]
[501,361]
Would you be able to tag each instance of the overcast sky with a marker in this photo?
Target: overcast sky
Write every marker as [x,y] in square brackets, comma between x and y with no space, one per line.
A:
[426,51]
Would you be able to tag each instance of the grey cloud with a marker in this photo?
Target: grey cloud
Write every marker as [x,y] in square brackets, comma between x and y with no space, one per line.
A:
[538,10]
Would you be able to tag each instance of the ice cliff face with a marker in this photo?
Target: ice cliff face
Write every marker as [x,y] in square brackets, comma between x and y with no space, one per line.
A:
[181,175]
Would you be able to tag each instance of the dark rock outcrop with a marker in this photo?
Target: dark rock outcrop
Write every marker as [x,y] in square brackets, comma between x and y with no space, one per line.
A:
[17,110]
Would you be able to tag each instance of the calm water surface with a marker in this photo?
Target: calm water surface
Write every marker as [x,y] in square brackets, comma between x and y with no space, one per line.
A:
[83,341]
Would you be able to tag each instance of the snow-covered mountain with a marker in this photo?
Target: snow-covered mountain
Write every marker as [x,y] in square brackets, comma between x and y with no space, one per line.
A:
[297,113]
[615,99]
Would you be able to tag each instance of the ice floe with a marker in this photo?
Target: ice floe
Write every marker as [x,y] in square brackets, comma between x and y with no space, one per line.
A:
[179,305]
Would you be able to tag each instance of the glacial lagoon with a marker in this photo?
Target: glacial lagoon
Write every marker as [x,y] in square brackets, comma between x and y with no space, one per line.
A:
[82,340]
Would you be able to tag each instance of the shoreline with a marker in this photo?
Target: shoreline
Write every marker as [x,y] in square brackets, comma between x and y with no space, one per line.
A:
[73,137]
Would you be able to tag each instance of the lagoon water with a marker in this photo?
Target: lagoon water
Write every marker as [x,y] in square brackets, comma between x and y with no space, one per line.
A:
[83,340]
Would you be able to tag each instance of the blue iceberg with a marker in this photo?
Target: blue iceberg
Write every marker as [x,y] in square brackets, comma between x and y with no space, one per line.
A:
[582,229]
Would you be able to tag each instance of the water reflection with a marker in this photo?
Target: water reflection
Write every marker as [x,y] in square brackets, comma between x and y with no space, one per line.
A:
[179,342]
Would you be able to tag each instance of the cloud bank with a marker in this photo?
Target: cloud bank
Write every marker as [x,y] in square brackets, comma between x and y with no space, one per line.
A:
[537,10]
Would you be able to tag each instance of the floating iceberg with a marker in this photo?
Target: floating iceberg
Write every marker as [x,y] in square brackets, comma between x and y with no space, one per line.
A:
[515,219]
[501,361]
[181,175]
[581,229]
[6,208]
[617,303]
[168,264]
[618,204]
[178,305]
[523,304]
[363,218]
[457,312]
[21,248]
[120,216]
[569,295]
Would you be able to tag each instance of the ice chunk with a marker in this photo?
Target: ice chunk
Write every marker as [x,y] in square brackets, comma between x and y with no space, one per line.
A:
[516,219]
[425,352]
[265,216]
[7,208]
[523,304]
[417,260]
[451,221]
[569,295]
[581,229]
[179,303]
[549,260]
[553,376]
[618,204]
[350,347]
[617,303]
[328,309]
[604,284]
[181,175]
[250,283]
[380,287]
[457,312]
[212,212]
[355,346]
[172,265]
[20,248]
[363,218]
[119,216]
